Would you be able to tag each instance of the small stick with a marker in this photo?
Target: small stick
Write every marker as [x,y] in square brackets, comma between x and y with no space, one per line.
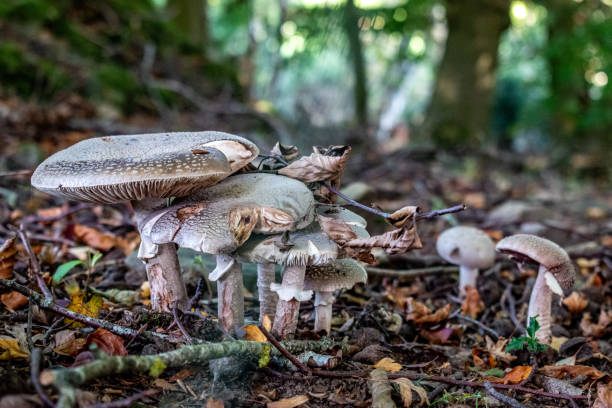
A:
[511,402]
[284,352]
[179,324]
[34,218]
[34,263]
[35,355]
[126,402]
[476,322]
[198,293]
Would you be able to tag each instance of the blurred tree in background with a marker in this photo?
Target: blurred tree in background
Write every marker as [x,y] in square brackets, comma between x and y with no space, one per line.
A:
[526,75]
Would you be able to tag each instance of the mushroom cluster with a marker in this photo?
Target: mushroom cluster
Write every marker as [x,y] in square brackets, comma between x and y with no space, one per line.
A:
[260,218]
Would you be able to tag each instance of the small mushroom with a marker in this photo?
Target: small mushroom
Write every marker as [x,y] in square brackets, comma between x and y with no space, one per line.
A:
[556,273]
[145,169]
[220,218]
[324,280]
[468,247]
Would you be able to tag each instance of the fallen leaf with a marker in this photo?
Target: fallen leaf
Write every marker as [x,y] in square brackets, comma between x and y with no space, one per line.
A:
[67,344]
[572,371]
[336,229]
[254,334]
[479,355]
[557,342]
[288,402]
[164,385]
[403,216]
[7,258]
[590,329]
[11,348]
[388,364]
[498,350]
[287,152]
[215,403]
[78,304]
[266,322]
[108,342]
[94,238]
[181,375]
[145,290]
[439,336]
[575,302]
[604,396]
[514,376]
[13,300]
[472,305]
[393,242]
[321,165]
[406,387]
[420,313]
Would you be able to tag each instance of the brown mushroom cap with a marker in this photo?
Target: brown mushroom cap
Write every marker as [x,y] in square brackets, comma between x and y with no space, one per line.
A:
[343,273]
[466,246]
[220,218]
[543,251]
[134,167]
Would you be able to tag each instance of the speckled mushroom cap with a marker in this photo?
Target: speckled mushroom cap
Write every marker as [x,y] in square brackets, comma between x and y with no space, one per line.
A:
[113,169]
[543,251]
[308,246]
[219,218]
[466,246]
[341,274]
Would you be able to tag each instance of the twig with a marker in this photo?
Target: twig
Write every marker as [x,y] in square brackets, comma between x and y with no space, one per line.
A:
[196,297]
[511,402]
[476,322]
[126,402]
[49,304]
[35,356]
[284,351]
[509,299]
[33,218]
[34,264]
[444,211]
[410,273]
[179,324]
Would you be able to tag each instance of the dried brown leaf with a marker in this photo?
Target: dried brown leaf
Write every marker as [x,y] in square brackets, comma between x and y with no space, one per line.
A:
[575,302]
[288,402]
[604,396]
[393,242]
[337,230]
[406,387]
[7,258]
[388,364]
[318,166]
[13,300]
[572,371]
[108,342]
[287,152]
[215,403]
[254,334]
[514,376]
[67,344]
[403,216]
[598,329]
[472,305]
[421,314]
[498,350]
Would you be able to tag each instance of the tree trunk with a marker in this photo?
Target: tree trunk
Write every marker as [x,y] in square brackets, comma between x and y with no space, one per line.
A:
[459,112]
[351,26]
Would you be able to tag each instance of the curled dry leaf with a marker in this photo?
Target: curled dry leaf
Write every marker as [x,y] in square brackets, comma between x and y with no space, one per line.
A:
[403,217]
[604,396]
[393,242]
[498,350]
[514,376]
[421,314]
[7,258]
[575,302]
[590,329]
[287,152]
[322,165]
[388,364]
[67,344]
[406,387]
[288,402]
[13,300]
[472,305]
[108,342]
[336,229]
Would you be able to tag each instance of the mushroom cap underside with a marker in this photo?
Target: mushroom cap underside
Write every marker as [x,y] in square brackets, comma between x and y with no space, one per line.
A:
[133,167]
[466,246]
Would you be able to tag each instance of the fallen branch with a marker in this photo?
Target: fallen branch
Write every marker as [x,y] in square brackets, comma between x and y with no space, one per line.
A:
[34,264]
[66,379]
[284,351]
[511,402]
[49,304]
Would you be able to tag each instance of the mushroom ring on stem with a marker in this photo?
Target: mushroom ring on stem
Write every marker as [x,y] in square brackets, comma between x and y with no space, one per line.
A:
[468,247]
[220,218]
[556,274]
[145,169]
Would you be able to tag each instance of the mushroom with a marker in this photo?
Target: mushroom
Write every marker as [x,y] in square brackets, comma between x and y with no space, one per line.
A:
[295,251]
[556,273]
[324,280]
[468,247]
[220,218]
[145,169]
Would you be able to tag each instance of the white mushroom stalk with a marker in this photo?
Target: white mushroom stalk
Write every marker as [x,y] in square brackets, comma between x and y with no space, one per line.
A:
[267,297]
[230,296]
[323,303]
[145,169]
[290,293]
[556,273]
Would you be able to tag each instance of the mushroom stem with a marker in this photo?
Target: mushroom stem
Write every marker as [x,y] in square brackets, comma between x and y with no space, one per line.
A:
[163,269]
[323,311]
[467,276]
[539,305]
[267,297]
[288,308]
[230,305]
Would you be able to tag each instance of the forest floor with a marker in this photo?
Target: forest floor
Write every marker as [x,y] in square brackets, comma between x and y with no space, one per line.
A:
[407,319]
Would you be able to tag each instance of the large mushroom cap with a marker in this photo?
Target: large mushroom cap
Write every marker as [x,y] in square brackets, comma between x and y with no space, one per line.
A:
[133,167]
[219,218]
[344,273]
[466,246]
[543,251]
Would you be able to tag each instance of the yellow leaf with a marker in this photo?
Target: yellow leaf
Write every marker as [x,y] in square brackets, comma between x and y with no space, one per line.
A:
[557,342]
[10,349]
[78,304]
[254,334]
[145,290]
[288,402]
[406,387]
[388,364]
